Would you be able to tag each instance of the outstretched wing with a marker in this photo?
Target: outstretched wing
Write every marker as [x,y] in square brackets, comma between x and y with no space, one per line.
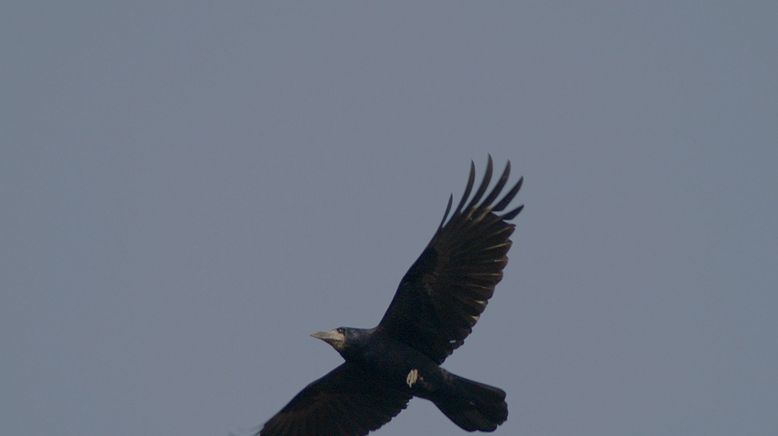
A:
[444,292]
[346,401]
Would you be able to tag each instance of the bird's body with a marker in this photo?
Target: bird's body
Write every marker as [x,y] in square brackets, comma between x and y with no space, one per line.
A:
[406,369]
[392,361]
[438,302]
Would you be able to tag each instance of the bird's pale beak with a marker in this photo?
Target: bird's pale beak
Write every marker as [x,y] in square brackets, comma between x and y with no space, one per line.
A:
[332,337]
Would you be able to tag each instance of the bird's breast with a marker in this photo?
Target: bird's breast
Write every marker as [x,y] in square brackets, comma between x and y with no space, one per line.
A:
[403,366]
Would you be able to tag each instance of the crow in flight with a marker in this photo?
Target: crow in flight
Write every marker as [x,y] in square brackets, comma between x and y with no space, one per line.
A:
[435,307]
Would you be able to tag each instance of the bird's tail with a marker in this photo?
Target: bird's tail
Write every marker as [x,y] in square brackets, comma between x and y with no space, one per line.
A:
[472,405]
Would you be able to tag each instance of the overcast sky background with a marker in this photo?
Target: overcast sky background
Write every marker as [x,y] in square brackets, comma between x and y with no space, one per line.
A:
[189,188]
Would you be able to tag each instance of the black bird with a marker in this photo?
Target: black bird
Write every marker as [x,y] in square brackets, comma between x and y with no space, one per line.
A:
[435,307]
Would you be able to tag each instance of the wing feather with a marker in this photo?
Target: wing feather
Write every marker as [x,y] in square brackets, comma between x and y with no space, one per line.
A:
[444,292]
[346,401]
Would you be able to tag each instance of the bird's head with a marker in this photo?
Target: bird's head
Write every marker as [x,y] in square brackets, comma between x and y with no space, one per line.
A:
[340,338]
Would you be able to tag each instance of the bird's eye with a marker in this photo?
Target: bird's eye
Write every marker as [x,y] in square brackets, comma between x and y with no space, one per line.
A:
[340,329]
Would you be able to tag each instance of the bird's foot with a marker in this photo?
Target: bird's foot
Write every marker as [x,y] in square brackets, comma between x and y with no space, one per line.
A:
[413,377]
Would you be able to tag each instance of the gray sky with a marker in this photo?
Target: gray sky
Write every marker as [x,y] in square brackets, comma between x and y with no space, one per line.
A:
[189,188]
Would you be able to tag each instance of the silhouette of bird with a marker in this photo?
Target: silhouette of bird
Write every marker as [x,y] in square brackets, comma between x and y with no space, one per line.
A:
[434,309]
